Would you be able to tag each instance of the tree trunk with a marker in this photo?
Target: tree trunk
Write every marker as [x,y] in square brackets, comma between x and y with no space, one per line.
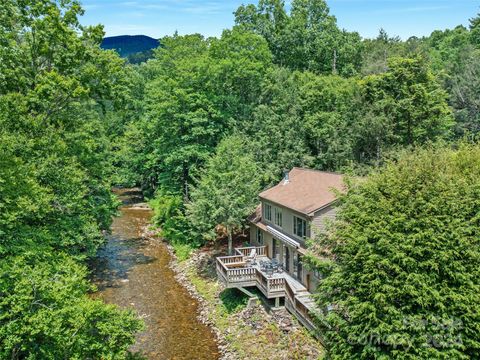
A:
[334,66]
[185,182]
[230,242]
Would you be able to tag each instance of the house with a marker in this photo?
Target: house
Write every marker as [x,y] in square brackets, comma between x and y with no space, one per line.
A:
[289,213]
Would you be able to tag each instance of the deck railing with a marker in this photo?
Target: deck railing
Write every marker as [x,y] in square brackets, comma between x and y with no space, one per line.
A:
[276,285]
[293,303]
[237,273]
[246,251]
[230,260]
[240,275]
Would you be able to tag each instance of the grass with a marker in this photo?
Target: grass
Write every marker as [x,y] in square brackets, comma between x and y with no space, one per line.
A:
[233,300]
[183,251]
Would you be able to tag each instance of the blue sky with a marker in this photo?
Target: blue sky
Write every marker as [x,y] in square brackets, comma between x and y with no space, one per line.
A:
[157,18]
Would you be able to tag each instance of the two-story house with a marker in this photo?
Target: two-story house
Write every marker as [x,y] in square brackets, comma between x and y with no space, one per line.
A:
[294,210]
[290,212]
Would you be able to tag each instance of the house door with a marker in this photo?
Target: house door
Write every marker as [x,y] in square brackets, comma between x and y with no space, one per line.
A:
[299,268]
[274,248]
[308,282]
[286,260]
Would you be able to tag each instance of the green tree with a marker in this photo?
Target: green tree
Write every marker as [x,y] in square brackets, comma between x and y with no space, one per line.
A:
[56,88]
[403,279]
[181,125]
[46,314]
[307,38]
[226,193]
[330,106]
[238,61]
[475,30]
[277,133]
[411,97]
[464,88]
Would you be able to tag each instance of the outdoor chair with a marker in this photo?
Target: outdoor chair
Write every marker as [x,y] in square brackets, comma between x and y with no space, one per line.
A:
[252,257]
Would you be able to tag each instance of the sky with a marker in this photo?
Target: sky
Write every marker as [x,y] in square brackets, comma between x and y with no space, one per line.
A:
[157,18]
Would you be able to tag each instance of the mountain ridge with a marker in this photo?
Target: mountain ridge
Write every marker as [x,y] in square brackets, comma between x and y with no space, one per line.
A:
[128,45]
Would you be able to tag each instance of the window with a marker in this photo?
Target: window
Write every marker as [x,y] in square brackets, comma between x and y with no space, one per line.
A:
[317,274]
[267,212]
[278,217]
[299,227]
[259,237]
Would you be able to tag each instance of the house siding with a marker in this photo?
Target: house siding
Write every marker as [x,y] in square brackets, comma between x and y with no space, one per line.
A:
[315,224]
[321,218]
[287,221]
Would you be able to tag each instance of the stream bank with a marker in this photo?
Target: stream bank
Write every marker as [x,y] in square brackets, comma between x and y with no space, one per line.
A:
[133,271]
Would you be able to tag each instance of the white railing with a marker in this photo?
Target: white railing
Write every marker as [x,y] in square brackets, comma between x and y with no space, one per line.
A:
[294,304]
[247,251]
[236,271]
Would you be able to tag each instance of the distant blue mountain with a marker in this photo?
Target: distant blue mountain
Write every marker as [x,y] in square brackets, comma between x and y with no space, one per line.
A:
[130,45]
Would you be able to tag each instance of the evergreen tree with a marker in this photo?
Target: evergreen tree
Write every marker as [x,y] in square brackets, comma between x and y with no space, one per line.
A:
[226,192]
[403,282]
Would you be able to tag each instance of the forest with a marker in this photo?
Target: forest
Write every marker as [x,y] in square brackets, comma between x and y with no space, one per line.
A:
[206,124]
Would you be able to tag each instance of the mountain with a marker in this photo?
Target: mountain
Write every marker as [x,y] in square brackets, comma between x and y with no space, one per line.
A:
[128,45]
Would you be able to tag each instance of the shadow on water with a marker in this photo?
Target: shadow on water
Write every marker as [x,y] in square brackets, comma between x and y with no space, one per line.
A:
[116,259]
[133,272]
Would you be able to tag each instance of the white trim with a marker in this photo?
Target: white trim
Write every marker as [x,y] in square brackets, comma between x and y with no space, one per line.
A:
[281,236]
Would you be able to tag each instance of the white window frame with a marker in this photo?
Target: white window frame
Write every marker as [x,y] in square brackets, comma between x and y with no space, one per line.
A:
[278,216]
[267,212]
[259,236]
[297,219]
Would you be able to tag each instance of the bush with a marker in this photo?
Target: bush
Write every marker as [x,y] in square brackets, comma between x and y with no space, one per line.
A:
[174,226]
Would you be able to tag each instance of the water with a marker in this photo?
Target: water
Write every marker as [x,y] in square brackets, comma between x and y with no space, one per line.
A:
[132,272]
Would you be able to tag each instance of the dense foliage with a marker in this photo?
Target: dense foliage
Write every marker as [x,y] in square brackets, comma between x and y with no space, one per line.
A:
[301,90]
[56,88]
[404,280]
[203,126]
[226,193]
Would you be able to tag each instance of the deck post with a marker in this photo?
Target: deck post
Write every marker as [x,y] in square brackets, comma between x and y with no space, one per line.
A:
[277,302]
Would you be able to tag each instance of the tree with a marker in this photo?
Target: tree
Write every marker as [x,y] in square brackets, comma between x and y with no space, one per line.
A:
[278,117]
[475,30]
[226,193]
[181,125]
[56,88]
[46,314]
[376,52]
[402,281]
[330,106]
[410,96]
[268,19]
[239,61]
[306,39]
[464,89]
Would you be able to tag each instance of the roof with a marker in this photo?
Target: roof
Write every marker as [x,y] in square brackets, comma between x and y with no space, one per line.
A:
[256,218]
[306,190]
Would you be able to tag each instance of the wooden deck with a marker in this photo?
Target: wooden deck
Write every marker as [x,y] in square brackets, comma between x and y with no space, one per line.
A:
[237,272]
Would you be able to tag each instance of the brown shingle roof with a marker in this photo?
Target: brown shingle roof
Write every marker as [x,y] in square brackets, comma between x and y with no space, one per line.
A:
[256,218]
[306,191]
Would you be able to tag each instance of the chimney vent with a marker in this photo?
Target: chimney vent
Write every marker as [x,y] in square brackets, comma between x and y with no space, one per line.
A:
[286,177]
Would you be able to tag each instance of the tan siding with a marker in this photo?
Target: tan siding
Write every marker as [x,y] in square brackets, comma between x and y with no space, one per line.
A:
[321,218]
[253,235]
[287,221]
